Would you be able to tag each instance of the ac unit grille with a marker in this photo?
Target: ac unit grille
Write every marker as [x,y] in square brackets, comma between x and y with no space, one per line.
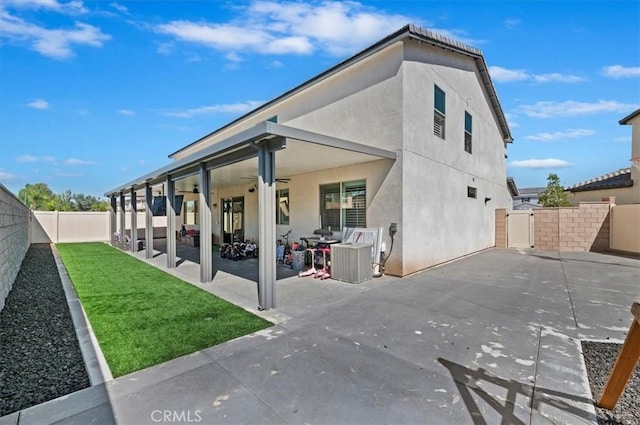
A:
[351,262]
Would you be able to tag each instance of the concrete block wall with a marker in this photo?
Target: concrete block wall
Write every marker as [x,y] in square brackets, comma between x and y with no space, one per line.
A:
[582,228]
[15,220]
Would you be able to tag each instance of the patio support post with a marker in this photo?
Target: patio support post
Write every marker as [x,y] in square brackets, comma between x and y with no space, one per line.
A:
[206,259]
[113,224]
[171,223]
[266,228]
[148,222]
[122,218]
[134,221]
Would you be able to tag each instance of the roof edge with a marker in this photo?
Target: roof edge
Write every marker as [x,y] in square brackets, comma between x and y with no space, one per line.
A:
[409,30]
[625,120]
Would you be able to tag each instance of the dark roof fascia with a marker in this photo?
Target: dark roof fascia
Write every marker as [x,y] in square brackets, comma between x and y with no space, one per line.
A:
[511,185]
[585,188]
[408,31]
[625,120]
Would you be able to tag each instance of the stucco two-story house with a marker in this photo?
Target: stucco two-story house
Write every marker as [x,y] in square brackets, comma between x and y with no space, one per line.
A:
[624,183]
[409,131]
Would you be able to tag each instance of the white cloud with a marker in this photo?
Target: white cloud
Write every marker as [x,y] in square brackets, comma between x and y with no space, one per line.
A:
[38,104]
[27,158]
[232,108]
[511,23]
[6,177]
[273,27]
[570,108]
[120,8]
[511,120]
[558,78]
[540,163]
[619,71]
[275,64]
[505,75]
[233,57]
[76,161]
[164,48]
[33,158]
[127,112]
[70,7]
[53,43]
[558,135]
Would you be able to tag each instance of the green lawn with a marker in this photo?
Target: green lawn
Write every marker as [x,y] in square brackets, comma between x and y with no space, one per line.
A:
[143,316]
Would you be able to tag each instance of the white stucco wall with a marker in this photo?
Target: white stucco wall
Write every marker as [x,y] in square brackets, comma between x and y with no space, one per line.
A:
[386,101]
[440,221]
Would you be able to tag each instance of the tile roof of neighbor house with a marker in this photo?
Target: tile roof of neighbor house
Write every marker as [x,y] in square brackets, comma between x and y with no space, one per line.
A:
[629,117]
[527,206]
[616,179]
[524,191]
[408,31]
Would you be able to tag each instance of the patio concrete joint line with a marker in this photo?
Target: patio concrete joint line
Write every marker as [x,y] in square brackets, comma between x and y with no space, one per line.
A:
[566,283]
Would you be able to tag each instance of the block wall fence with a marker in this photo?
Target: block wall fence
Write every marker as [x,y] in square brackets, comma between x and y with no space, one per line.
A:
[15,227]
[591,226]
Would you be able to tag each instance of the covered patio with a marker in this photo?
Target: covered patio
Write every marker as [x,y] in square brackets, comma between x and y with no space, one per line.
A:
[249,153]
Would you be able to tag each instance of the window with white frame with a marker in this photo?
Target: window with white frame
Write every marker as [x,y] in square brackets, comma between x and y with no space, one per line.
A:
[439,113]
[468,127]
[282,206]
[343,205]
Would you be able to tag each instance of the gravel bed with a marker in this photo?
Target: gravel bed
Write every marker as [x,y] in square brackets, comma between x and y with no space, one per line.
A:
[41,358]
[599,358]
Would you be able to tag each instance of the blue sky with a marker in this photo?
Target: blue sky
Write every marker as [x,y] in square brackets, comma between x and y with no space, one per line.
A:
[96,93]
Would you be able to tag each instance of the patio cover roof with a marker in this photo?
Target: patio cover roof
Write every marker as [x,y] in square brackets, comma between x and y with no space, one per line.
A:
[300,151]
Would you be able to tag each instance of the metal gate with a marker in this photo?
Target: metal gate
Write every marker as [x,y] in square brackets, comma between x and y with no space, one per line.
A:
[520,229]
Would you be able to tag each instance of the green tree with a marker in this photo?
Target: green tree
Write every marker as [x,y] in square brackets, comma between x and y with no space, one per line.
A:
[38,196]
[554,195]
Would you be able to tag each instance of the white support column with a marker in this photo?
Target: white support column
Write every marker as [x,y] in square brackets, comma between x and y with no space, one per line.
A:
[113,224]
[206,259]
[134,221]
[148,222]
[171,223]
[123,226]
[266,228]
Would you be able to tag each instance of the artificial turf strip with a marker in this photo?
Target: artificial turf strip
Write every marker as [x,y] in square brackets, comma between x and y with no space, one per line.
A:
[143,316]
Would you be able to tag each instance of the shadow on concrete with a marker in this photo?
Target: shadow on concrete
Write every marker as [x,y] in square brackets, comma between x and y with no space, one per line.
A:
[467,380]
[561,259]
[246,269]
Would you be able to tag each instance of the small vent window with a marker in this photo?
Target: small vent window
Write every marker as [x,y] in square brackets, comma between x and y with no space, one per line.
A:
[472,192]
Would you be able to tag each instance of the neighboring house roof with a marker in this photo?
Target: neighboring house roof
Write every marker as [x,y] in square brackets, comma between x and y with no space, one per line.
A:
[629,117]
[529,191]
[511,185]
[616,179]
[406,32]
[527,206]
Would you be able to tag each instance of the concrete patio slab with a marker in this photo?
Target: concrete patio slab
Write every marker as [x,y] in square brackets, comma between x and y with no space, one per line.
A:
[491,338]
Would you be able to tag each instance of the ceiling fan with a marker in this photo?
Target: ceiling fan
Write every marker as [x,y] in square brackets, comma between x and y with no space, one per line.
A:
[194,190]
